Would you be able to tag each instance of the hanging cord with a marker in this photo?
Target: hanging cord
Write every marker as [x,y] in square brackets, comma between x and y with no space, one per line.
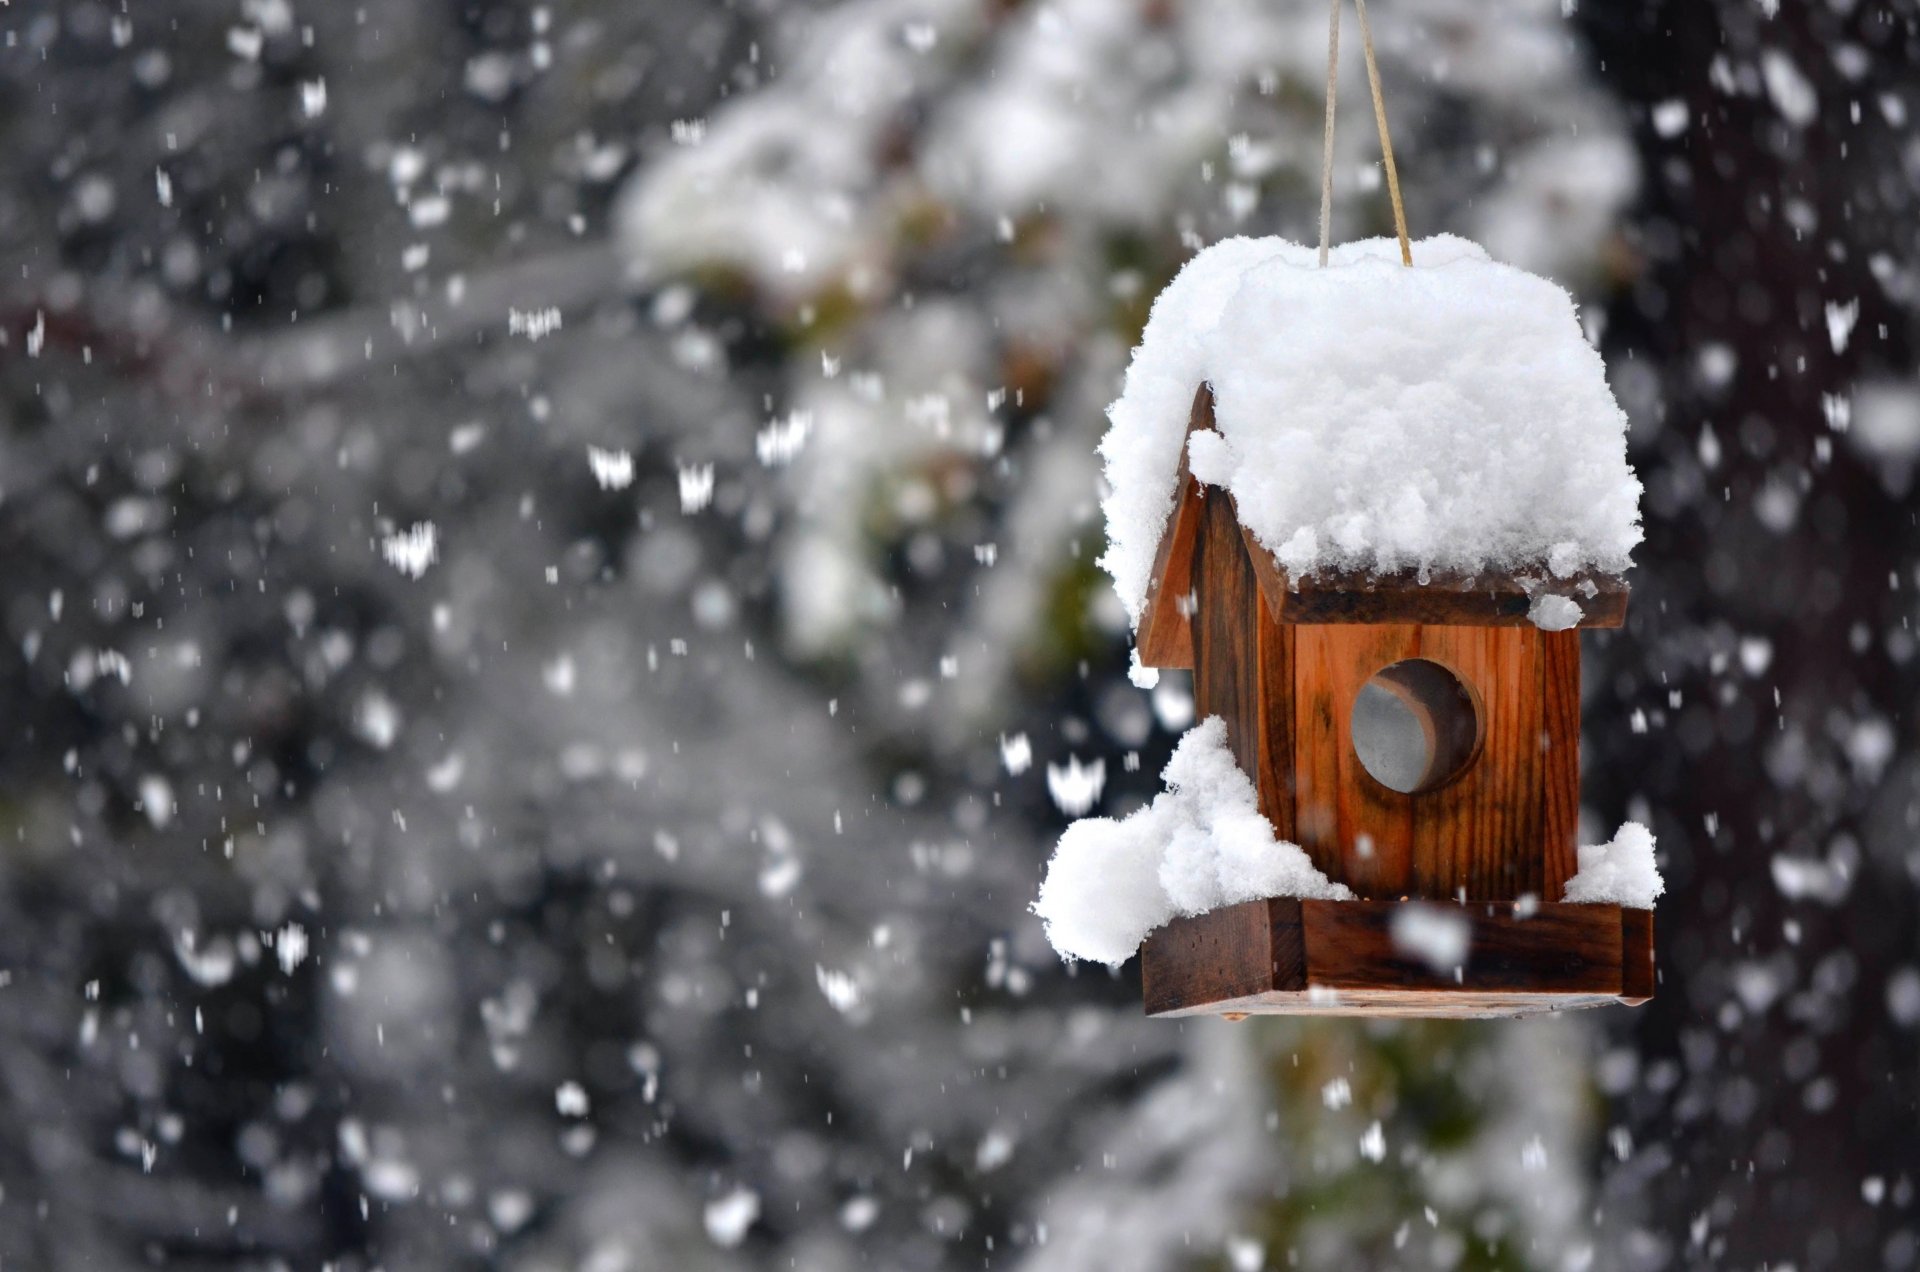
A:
[1386,142]
[1326,146]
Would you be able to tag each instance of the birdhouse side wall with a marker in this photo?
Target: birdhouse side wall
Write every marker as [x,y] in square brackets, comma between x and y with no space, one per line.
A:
[1243,662]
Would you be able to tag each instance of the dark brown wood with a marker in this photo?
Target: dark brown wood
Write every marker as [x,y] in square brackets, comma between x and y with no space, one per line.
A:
[1559,691]
[1165,636]
[1274,779]
[1559,949]
[1243,661]
[1484,600]
[1233,952]
[1637,974]
[1480,835]
[1226,658]
[1273,584]
[1283,956]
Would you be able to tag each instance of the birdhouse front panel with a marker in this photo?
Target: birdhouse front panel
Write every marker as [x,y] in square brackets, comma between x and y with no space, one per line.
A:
[1489,819]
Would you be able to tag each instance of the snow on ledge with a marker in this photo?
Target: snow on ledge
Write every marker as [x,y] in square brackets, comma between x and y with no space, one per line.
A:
[1200,844]
[1621,872]
[1373,417]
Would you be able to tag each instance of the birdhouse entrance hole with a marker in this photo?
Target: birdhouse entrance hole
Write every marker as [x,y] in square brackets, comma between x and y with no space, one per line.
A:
[1415,726]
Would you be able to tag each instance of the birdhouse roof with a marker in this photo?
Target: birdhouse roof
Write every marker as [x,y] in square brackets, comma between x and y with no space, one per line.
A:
[1449,420]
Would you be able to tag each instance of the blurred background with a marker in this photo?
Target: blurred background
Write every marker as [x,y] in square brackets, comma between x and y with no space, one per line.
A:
[550,627]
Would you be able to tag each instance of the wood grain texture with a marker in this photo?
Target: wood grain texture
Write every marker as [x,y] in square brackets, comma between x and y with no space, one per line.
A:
[1637,970]
[1226,656]
[1560,949]
[1357,831]
[1488,600]
[1234,952]
[1275,779]
[1273,583]
[1559,691]
[1165,635]
[1480,835]
[1282,956]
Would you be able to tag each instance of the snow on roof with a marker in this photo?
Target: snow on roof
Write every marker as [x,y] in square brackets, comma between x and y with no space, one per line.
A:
[1372,417]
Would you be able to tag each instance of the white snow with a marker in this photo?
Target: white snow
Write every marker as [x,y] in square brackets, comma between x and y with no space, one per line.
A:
[1840,322]
[1436,935]
[213,965]
[612,469]
[1374,417]
[432,210]
[412,550]
[858,1214]
[1076,787]
[1811,878]
[1552,613]
[696,487]
[1200,844]
[781,440]
[1670,117]
[377,720]
[1885,427]
[729,1217]
[1016,753]
[1621,872]
[1903,997]
[509,1209]
[290,947]
[1793,95]
[534,324]
[156,800]
[840,989]
[313,98]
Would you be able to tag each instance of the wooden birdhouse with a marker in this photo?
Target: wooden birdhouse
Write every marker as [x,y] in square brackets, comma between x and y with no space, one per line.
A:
[1397,497]
[1471,817]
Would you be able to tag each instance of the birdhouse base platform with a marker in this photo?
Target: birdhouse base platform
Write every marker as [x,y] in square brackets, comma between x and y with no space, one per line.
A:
[1290,957]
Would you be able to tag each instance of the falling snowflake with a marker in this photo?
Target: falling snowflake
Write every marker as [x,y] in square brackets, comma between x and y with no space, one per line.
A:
[1435,936]
[780,441]
[696,487]
[839,987]
[613,469]
[729,1217]
[1076,787]
[412,550]
[290,947]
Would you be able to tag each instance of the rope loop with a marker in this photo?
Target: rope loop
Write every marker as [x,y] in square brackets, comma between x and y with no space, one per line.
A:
[1379,117]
